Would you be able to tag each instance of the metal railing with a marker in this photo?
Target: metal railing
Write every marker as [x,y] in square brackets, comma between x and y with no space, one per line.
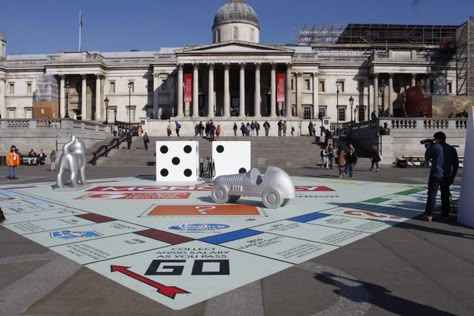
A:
[103,151]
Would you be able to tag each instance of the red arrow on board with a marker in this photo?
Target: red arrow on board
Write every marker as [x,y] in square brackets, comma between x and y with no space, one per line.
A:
[169,291]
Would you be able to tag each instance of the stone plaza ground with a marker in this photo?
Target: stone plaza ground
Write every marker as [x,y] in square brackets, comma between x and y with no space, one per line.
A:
[412,268]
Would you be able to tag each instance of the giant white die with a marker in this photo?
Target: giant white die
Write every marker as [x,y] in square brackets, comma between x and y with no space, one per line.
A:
[177,161]
[231,157]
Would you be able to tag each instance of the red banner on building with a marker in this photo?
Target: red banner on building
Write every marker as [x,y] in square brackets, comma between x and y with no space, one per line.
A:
[280,87]
[188,87]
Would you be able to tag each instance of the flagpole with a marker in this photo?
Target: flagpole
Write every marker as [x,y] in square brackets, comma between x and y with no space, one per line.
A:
[80,30]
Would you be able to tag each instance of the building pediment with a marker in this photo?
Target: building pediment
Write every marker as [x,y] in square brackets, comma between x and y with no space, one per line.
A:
[235,47]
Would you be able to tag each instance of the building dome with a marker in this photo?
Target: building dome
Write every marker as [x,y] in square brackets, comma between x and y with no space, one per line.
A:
[235,11]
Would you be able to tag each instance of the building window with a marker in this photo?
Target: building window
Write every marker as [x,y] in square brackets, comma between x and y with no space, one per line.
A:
[322,111]
[11,113]
[307,112]
[307,84]
[28,113]
[236,33]
[218,36]
[11,89]
[112,87]
[340,85]
[131,86]
[28,88]
[322,86]
[292,84]
[131,112]
[252,35]
[450,88]
[361,113]
[360,86]
[341,114]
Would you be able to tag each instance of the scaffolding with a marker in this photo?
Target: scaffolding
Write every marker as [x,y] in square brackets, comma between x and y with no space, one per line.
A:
[46,88]
[363,36]
[465,58]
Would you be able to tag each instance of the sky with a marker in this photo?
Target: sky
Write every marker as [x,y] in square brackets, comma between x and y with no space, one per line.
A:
[51,26]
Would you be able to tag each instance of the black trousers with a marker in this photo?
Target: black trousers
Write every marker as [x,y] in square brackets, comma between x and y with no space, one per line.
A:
[433,184]
[146,145]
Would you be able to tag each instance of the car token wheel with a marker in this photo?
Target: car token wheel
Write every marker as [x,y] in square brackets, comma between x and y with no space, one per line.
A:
[220,194]
[271,198]
[285,202]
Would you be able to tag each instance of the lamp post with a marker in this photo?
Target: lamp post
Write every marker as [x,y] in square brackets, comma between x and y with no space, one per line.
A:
[106,101]
[66,86]
[351,102]
[337,109]
[130,85]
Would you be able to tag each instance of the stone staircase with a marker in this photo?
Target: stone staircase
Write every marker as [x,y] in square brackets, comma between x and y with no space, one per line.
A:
[298,151]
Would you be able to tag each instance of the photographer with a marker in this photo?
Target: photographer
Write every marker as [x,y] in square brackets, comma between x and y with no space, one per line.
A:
[444,167]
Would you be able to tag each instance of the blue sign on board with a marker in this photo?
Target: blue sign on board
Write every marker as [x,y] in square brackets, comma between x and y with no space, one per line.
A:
[67,234]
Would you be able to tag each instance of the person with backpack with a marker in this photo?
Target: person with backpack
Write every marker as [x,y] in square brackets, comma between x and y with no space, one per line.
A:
[146,140]
[266,126]
[178,127]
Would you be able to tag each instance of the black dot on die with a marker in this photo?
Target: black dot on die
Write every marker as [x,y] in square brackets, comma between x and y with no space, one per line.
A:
[164,172]
[242,170]
[187,149]
[188,173]
[164,149]
[220,149]
[175,161]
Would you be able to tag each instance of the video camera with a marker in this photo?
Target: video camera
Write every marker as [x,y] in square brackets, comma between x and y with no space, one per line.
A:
[427,141]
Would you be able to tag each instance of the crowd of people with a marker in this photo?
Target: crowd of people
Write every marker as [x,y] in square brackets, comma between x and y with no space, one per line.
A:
[14,159]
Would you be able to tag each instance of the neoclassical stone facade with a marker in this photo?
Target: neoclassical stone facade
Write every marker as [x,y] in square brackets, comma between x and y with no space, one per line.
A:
[234,77]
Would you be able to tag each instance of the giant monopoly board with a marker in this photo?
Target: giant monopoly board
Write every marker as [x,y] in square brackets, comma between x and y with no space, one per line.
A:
[175,246]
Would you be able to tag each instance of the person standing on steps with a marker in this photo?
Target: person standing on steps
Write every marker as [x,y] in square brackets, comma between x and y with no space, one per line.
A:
[178,127]
[266,126]
[146,140]
[13,161]
[235,129]
[129,139]
[257,127]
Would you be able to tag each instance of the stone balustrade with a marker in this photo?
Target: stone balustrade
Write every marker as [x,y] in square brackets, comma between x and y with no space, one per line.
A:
[425,123]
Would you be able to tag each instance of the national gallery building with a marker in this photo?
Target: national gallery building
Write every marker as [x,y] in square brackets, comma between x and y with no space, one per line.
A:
[340,73]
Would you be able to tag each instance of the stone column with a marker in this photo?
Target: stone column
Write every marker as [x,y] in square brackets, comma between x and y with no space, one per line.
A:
[288,91]
[62,98]
[156,86]
[390,94]
[413,80]
[258,97]
[196,91]
[98,99]
[84,98]
[226,91]
[242,90]
[180,91]
[299,93]
[376,94]
[273,94]
[210,96]
[315,95]
[427,85]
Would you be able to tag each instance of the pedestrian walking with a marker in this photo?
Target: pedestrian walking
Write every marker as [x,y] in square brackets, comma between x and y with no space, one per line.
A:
[324,157]
[292,131]
[375,159]
[146,140]
[351,161]
[330,156]
[129,140]
[178,127]
[235,128]
[52,158]
[341,161]
[13,161]
[310,128]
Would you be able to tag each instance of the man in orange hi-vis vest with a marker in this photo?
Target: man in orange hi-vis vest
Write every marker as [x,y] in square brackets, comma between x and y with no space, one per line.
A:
[13,160]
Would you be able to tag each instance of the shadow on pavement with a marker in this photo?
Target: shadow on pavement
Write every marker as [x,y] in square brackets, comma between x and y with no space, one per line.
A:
[379,296]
